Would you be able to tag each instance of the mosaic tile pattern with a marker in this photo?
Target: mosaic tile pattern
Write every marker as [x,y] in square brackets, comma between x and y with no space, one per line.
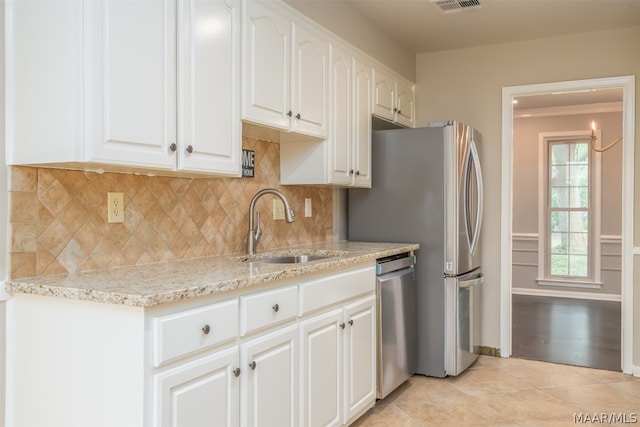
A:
[58,218]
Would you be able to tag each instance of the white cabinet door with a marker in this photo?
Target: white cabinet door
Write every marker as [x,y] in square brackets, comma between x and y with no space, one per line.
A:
[340,141]
[360,356]
[405,107]
[43,80]
[285,72]
[266,67]
[362,124]
[349,145]
[208,92]
[321,346]
[133,63]
[384,95]
[270,386]
[203,392]
[310,79]
[393,98]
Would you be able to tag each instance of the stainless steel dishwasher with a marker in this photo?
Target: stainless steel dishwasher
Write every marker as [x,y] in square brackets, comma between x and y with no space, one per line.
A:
[397,336]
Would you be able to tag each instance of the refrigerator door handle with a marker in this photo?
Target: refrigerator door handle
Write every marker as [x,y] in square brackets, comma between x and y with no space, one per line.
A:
[473,282]
[475,231]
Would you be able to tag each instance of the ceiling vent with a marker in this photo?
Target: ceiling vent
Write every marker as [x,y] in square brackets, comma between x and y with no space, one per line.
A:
[448,6]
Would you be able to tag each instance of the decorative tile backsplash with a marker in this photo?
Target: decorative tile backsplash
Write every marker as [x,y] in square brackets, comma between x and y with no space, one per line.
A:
[58,218]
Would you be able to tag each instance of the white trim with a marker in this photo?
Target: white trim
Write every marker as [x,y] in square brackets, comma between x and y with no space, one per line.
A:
[636,371]
[604,238]
[569,283]
[566,294]
[525,236]
[627,83]
[565,110]
[636,250]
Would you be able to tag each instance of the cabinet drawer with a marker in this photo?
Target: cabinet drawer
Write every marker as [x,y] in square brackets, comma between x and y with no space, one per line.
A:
[268,308]
[180,334]
[333,289]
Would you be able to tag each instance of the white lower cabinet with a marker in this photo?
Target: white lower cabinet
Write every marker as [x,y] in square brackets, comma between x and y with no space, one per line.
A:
[269,395]
[297,353]
[322,343]
[204,392]
[338,364]
[360,357]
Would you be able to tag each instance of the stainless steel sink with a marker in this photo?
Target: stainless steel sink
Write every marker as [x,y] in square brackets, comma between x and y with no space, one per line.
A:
[293,259]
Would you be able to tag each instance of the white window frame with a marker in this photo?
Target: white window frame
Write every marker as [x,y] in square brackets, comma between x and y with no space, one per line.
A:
[595,281]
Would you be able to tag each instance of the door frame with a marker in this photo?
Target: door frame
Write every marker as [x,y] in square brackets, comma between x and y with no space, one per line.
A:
[627,84]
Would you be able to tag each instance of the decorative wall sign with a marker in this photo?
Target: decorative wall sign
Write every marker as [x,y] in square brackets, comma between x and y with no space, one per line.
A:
[248,163]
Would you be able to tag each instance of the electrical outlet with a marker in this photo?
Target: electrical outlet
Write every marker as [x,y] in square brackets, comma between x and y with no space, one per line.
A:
[278,210]
[307,208]
[115,208]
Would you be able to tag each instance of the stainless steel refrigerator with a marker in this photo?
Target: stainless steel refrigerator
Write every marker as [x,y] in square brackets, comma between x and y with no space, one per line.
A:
[427,189]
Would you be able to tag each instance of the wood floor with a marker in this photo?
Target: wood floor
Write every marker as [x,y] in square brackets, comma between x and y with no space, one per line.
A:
[568,331]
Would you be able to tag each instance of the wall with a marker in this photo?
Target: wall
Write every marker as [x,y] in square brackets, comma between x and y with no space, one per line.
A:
[58,221]
[525,197]
[342,19]
[466,84]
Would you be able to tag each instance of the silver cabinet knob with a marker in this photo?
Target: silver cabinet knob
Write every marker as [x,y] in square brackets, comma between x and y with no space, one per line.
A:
[236,372]
[351,322]
[342,325]
[350,171]
[252,365]
[298,116]
[357,173]
[289,114]
[276,308]
[206,329]
[189,149]
[173,147]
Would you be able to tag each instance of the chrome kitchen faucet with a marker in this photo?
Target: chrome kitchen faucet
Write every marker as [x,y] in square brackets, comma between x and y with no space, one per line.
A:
[255,234]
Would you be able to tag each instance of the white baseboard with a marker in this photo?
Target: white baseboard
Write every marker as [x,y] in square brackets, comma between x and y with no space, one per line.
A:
[566,294]
[635,371]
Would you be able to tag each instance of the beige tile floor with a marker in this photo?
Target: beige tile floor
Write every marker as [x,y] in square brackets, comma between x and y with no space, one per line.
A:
[510,392]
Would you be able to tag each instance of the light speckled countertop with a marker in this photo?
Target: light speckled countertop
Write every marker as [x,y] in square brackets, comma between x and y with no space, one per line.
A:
[154,284]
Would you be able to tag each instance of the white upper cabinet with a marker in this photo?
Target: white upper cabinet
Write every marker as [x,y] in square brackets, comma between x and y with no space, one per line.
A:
[136,85]
[363,78]
[393,98]
[133,84]
[285,72]
[209,86]
[344,159]
[349,143]
[341,137]
[43,68]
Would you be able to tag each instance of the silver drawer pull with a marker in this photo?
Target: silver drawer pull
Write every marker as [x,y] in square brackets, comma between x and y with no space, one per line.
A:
[206,329]
[236,372]
[252,365]
[276,308]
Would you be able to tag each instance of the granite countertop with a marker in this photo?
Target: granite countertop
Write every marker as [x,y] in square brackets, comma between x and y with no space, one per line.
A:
[154,284]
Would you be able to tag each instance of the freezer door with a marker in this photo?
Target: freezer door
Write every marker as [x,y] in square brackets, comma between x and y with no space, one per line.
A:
[462,321]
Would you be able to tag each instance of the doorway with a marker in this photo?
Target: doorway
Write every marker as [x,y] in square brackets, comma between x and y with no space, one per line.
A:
[626,85]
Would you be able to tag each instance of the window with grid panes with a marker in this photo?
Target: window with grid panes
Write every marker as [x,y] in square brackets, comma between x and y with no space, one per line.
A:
[569,213]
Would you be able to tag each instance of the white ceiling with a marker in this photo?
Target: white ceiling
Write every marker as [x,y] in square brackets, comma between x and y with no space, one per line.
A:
[422,27]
